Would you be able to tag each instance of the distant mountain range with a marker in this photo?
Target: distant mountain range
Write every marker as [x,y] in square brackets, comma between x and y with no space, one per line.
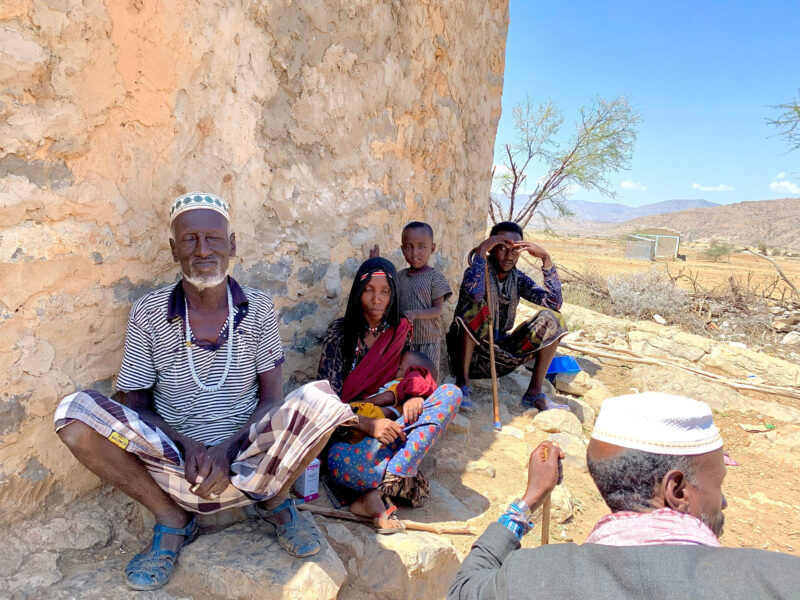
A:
[773,222]
[611,212]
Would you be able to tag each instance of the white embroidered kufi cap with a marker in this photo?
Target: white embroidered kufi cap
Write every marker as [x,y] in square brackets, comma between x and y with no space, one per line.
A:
[658,423]
[195,200]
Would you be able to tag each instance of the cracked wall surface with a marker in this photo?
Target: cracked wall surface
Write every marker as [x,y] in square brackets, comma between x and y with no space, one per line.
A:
[327,125]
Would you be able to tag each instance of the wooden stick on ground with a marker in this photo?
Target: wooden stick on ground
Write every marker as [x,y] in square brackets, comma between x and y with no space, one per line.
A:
[495,401]
[624,355]
[439,528]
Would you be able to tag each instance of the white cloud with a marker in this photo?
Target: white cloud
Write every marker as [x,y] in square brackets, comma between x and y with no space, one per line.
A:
[782,175]
[712,188]
[785,187]
[633,186]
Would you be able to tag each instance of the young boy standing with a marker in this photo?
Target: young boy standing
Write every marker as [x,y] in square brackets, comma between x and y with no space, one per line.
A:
[422,290]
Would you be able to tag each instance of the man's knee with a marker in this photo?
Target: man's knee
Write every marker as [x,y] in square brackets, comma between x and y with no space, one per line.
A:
[76,434]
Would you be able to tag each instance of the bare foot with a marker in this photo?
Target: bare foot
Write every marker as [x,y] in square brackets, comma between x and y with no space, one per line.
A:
[371,505]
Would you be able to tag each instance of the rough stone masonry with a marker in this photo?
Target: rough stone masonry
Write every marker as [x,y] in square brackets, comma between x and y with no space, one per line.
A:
[326,124]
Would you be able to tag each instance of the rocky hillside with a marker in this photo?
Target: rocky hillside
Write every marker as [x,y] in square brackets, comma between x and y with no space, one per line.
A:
[774,222]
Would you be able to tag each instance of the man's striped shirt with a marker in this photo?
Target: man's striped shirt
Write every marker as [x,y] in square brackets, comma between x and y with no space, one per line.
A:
[156,356]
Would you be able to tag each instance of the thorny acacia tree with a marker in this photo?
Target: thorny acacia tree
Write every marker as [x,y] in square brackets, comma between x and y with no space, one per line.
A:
[788,122]
[602,143]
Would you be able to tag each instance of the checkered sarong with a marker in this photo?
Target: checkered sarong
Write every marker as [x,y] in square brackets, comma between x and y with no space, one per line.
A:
[269,458]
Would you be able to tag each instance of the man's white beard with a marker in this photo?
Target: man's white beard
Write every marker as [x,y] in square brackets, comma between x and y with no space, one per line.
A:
[204,282]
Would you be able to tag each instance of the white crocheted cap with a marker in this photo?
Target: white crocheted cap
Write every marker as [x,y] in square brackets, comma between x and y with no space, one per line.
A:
[195,200]
[658,423]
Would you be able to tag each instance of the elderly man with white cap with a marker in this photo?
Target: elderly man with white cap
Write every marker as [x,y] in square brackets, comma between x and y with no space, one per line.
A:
[657,461]
[204,425]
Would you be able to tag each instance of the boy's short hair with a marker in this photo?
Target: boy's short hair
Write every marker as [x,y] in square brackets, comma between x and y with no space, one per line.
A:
[420,225]
[506,226]
[424,360]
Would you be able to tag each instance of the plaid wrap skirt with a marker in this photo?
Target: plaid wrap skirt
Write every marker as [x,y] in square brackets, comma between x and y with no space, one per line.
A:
[268,459]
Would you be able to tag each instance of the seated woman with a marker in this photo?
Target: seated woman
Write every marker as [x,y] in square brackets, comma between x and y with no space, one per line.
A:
[360,353]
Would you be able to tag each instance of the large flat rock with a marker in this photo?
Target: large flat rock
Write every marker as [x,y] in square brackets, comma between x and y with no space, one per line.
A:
[246,562]
[412,565]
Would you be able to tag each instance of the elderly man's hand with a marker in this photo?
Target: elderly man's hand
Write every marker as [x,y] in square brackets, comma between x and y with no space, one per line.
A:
[207,469]
[544,468]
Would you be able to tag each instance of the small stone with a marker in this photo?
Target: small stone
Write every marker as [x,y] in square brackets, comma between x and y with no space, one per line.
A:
[582,409]
[786,325]
[558,421]
[481,467]
[659,319]
[561,507]
[574,449]
[741,345]
[460,424]
[595,396]
[791,339]
[574,383]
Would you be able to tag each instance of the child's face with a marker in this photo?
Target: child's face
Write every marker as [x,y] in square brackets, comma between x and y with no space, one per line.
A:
[408,361]
[417,247]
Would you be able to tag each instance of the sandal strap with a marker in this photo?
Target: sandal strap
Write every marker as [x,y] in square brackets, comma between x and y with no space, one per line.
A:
[289,503]
[186,531]
[387,514]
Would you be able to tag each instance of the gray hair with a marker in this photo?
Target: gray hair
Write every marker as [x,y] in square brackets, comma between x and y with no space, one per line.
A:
[628,480]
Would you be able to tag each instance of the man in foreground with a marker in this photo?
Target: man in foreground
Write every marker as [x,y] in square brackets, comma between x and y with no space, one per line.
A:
[657,461]
[204,424]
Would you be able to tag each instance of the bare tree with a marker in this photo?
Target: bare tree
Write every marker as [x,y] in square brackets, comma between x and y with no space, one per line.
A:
[602,143]
[788,122]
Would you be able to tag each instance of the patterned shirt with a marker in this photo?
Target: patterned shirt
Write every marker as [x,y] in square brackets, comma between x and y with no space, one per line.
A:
[417,292]
[156,356]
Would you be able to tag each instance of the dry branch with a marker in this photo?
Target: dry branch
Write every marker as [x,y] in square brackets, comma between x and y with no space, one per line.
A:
[777,268]
[439,528]
[603,351]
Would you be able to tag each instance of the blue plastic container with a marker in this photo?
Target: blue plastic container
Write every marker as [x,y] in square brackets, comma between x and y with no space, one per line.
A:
[563,364]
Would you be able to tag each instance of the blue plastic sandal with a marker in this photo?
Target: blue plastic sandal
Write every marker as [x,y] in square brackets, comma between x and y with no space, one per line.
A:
[152,569]
[467,405]
[530,402]
[298,537]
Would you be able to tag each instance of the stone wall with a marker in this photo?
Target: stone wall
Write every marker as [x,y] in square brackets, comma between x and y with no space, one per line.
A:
[326,124]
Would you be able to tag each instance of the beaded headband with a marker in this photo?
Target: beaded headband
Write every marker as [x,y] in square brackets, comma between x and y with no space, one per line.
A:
[195,200]
[376,274]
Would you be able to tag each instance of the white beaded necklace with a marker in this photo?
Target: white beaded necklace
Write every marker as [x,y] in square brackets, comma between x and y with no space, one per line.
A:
[228,360]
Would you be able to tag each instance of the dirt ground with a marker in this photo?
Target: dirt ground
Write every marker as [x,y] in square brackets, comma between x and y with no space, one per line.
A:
[762,491]
[607,257]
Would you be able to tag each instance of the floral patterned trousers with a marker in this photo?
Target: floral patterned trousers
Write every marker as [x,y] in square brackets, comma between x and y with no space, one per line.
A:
[363,466]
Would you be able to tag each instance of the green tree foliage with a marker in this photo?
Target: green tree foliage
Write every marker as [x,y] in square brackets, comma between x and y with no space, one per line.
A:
[718,249]
[601,143]
[788,122]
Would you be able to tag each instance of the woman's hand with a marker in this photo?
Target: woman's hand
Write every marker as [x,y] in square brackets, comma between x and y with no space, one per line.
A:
[384,430]
[412,409]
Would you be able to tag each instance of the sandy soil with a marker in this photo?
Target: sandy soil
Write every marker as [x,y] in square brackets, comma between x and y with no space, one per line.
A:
[607,257]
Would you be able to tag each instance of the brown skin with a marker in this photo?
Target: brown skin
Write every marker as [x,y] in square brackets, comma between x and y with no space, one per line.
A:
[543,469]
[701,497]
[504,250]
[375,300]
[202,244]
[417,247]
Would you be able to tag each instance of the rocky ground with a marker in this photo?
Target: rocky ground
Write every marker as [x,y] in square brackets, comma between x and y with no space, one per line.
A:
[79,550]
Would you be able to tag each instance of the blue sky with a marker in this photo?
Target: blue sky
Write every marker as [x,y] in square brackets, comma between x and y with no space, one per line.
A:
[701,74]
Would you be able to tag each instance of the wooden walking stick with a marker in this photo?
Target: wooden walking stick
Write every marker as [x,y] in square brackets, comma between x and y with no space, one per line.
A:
[546,506]
[495,402]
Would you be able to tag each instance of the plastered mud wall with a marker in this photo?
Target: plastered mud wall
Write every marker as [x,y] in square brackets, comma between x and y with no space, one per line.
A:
[327,125]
